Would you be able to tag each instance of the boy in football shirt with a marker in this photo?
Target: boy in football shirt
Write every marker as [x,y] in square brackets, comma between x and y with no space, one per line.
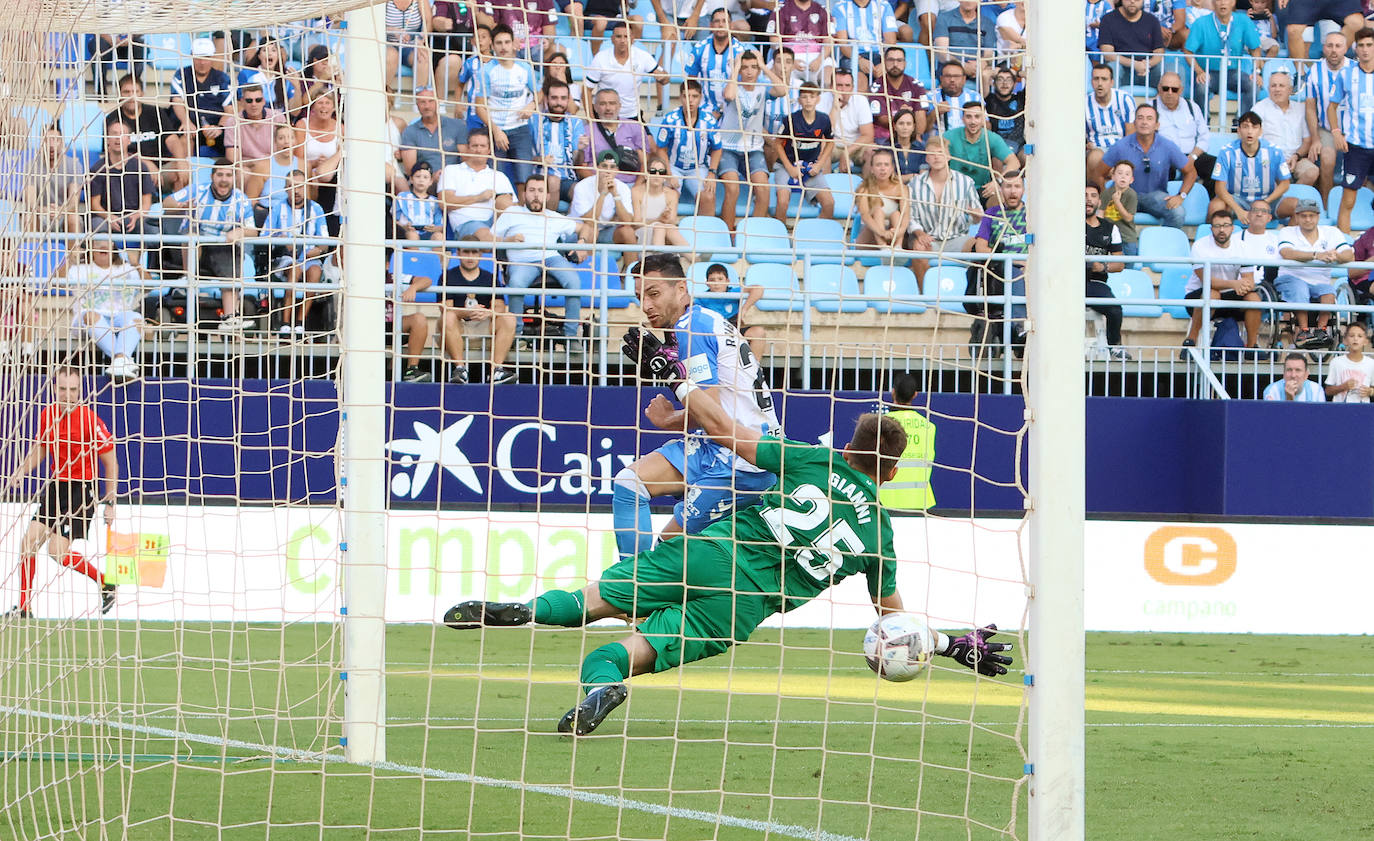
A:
[806,144]
[819,525]
[78,447]
[418,212]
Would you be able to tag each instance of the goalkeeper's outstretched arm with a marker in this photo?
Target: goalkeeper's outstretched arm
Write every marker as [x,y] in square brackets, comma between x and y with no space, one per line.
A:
[705,411]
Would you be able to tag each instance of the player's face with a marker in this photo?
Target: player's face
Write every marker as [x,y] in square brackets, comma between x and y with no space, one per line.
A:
[67,390]
[661,299]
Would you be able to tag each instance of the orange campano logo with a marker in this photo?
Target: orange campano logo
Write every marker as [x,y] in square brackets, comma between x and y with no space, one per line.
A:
[1191,556]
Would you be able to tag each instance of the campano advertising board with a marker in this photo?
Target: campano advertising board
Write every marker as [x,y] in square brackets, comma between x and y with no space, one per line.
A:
[256,564]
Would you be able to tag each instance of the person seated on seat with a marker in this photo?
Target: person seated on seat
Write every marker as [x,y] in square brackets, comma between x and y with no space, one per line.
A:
[107,300]
[1309,242]
[467,271]
[1232,277]
[736,309]
[1295,386]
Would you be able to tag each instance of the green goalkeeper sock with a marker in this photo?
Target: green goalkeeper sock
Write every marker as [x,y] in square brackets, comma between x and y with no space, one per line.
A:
[559,607]
[608,664]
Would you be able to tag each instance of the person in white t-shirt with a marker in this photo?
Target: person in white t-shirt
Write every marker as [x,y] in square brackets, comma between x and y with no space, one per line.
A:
[604,204]
[623,68]
[1310,242]
[474,191]
[851,118]
[540,230]
[1232,279]
[1349,378]
[1295,387]
[107,303]
[1285,126]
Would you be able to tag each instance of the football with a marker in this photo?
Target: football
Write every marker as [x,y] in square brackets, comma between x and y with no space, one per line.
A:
[898,646]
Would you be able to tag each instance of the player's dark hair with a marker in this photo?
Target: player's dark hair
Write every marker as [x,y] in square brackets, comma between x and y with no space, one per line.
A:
[667,265]
[877,444]
[904,388]
[501,29]
[1364,33]
[1250,118]
[690,85]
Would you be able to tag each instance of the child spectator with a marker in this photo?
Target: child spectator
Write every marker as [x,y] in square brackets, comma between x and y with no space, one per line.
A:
[1349,378]
[1119,205]
[419,215]
[734,310]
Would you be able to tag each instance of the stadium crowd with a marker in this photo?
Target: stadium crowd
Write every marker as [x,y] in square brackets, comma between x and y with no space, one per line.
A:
[868,125]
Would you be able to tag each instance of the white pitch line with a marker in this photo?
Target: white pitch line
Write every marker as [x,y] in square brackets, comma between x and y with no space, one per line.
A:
[715,819]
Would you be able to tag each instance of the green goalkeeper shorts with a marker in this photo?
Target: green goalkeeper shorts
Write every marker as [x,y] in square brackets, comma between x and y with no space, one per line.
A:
[686,596]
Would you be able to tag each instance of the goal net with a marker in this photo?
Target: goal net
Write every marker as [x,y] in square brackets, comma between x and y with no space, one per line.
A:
[182,301]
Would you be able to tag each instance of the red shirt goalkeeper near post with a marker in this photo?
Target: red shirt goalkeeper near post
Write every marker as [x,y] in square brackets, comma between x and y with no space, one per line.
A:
[79,448]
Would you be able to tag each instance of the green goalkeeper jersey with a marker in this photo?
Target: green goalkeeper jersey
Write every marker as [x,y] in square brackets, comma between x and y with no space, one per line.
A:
[818,525]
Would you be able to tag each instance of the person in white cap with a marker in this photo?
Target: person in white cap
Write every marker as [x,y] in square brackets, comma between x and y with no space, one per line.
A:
[202,95]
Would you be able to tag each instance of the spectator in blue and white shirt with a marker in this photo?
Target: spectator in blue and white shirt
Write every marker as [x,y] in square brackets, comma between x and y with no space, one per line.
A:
[1251,169]
[1095,10]
[295,220]
[417,212]
[688,142]
[221,213]
[1317,90]
[201,96]
[862,29]
[1173,21]
[505,103]
[1111,115]
[1295,386]
[948,100]
[1351,115]
[712,61]
[467,83]
[557,138]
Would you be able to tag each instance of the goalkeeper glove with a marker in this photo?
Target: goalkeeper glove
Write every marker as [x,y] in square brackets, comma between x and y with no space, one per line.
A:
[974,651]
[655,360]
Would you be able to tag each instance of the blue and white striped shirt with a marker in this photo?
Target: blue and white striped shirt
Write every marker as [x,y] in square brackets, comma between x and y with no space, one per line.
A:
[471,76]
[1095,10]
[865,26]
[417,211]
[1249,178]
[777,109]
[1107,123]
[507,90]
[1354,90]
[688,147]
[712,69]
[557,138]
[1320,85]
[1163,10]
[289,222]
[212,216]
[954,117]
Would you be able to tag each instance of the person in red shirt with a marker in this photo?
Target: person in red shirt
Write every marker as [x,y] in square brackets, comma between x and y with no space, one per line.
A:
[78,447]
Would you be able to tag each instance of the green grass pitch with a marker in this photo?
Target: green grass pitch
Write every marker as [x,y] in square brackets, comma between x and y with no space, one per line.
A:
[1189,737]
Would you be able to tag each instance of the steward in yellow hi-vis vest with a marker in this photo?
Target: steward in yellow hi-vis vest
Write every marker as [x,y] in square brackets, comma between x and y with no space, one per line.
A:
[910,489]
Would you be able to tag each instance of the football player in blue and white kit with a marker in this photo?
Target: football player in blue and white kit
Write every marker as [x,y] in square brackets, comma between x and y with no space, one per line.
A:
[709,480]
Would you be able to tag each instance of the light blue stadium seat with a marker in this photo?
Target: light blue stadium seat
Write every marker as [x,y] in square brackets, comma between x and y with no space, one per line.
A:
[168,51]
[817,236]
[42,258]
[1220,140]
[602,273]
[34,119]
[897,285]
[942,281]
[756,236]
[696,277]
[780,290]
[579,54]
[200,170]
[1194,204]
[1307,191]
[1134,283]
[1162,242]
[918,65]
[842,187]
[709,238]
[83,127]
[1204,230]
[1172,283]
[426,263]
[836,287]
[1361,217]
[1272,67]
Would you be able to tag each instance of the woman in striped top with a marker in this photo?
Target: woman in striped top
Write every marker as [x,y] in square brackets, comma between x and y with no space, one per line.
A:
[407,34]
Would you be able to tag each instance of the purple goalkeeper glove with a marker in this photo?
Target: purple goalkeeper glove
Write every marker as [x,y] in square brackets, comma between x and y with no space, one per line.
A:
[655,360]
[974,651]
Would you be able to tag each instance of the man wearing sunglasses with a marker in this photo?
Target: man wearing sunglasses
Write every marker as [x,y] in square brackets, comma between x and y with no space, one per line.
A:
[1154,157]
[1184,122]
[248,132]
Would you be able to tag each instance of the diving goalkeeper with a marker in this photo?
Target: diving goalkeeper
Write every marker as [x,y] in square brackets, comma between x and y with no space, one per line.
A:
[696,596]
